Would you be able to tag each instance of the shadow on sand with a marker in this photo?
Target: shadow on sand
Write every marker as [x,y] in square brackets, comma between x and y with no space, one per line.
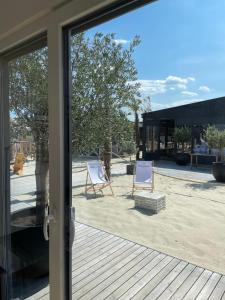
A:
[209,185]
[92,196]
[143,211]
[173,166]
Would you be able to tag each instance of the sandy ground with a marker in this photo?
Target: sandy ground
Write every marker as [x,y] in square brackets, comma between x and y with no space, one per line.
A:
[191,228]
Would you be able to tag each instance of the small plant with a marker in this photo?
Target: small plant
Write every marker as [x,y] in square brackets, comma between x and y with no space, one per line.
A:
[215,139]
[128,147]
[182,135]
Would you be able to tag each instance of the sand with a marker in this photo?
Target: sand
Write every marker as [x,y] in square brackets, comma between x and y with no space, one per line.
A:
[191,228]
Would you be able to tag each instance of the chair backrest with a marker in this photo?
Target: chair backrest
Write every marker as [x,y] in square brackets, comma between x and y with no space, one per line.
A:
[143,172]
[96,172]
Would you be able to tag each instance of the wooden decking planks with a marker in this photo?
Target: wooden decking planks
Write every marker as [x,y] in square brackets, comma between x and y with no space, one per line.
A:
[105,266]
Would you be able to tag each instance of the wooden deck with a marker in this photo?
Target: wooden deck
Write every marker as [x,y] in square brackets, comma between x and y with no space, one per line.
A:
[106,266]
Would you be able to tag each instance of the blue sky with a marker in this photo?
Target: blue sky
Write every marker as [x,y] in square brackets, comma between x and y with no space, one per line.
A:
[181,57]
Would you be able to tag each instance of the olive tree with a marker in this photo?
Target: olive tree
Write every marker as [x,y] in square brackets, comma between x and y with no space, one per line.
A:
[182,135]
[28,100]
[102,72]
[215,139]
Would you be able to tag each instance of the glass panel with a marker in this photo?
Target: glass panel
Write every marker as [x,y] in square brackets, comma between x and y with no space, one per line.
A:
[104,140]
[151,139]
[162,138]
[166,138]
[107,75]
[29,171]
[109,66]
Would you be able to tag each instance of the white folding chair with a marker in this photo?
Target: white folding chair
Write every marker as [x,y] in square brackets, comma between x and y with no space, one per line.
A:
[143,178]
[97,176]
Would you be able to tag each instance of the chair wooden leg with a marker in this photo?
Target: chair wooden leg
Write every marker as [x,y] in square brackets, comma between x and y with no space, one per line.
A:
[95,191]
[132,194]
[86,186]
[111,190]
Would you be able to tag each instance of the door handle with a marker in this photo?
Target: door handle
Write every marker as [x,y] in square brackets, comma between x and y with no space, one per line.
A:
[50,217]
[47,219]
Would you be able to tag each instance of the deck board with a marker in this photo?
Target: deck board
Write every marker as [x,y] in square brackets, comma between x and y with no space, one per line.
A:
[176,283]
[198,286]
[91,290]
[105,266]
[219,290]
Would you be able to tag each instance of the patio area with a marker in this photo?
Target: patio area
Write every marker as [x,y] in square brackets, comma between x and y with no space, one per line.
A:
[191,228]
[128,253]
[106,266]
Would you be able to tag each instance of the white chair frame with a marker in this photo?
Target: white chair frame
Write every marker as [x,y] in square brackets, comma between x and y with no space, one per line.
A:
[97,187]
[143,186]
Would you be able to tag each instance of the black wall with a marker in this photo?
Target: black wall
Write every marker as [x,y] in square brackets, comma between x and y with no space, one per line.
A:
[200,113]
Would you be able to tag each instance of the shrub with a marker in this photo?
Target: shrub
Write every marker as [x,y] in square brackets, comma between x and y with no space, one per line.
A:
[128,147]
[182,135]
[215,138]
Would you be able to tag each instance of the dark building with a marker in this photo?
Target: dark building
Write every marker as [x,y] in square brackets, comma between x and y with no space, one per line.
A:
[158,126]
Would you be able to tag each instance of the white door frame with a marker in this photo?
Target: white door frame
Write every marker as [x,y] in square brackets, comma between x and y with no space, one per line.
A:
[57,259]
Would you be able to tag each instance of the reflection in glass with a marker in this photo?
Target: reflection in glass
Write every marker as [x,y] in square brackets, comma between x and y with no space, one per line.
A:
[151,139]
[29,166]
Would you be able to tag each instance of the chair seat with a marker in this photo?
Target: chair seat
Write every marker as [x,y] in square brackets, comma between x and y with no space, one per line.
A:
[100,181]
[143,177]
[98,177]
[145,182]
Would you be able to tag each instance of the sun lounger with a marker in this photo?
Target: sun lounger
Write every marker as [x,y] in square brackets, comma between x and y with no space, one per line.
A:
[143,176]
[97,176]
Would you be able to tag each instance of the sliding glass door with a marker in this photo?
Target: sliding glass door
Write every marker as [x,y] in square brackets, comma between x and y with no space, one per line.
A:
[25,172]
[47,119]
[29,171]
[31,221]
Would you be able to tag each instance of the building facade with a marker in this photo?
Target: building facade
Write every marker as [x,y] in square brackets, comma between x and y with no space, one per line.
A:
[158,126]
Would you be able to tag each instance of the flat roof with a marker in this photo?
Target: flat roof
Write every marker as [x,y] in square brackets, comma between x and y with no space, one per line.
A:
[198,113]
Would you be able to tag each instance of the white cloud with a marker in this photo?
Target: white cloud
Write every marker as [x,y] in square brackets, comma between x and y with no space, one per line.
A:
[181,86]
[152,86]
[178,80]
[161,86]
[189,94]
[204,89]
[121,41]
[191,78]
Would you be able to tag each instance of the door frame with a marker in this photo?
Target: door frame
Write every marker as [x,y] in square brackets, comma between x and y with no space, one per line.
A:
[5,278]
[5,233]
[59,187]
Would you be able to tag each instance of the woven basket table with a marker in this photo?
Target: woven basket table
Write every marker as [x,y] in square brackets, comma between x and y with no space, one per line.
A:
[152,201]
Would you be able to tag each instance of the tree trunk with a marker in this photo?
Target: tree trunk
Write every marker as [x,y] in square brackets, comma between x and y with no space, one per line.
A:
[41,174]
[137,133]
[107,155]
[107,149]
[183,147]
[221,154]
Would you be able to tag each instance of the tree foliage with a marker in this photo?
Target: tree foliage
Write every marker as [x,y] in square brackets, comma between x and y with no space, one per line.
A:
[215,138]
[28,92]
[101,72]
[18,131]
[182,135]
[28,102]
